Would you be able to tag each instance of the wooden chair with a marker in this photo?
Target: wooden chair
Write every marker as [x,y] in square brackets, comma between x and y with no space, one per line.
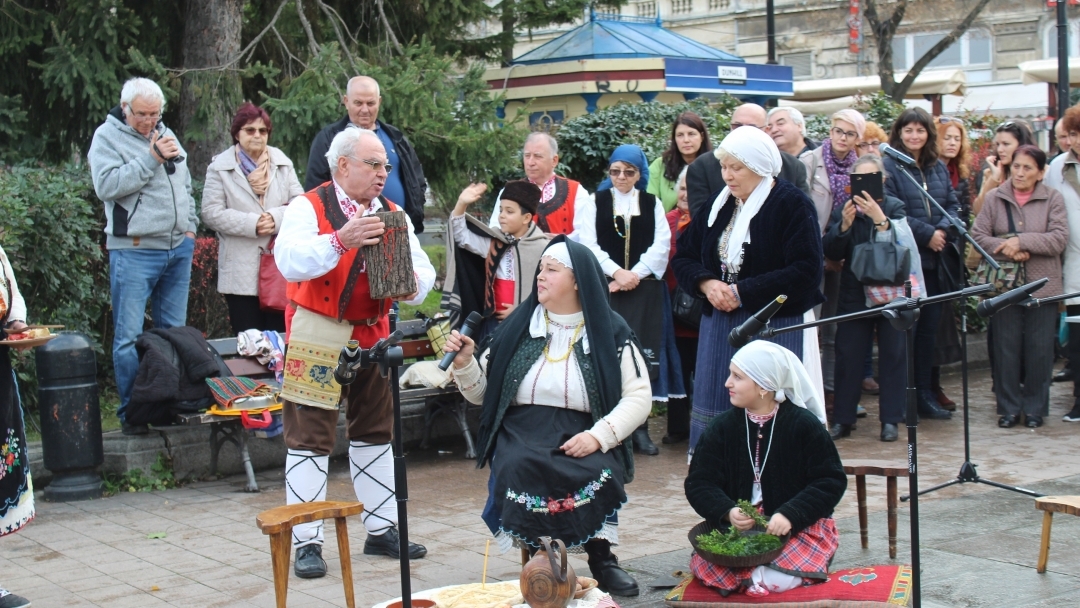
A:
[1050,505]
[278,524]
[890,471]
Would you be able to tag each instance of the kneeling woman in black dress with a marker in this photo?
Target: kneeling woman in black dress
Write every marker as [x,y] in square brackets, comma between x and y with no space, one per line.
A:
[563,386]
[772,451]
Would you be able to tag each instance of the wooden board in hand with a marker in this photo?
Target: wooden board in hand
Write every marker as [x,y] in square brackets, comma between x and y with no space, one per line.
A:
[389,264]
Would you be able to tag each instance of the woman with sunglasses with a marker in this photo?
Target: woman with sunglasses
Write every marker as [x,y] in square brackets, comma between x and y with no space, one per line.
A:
[1007,138]
[828,167]
[627,230]
[914,133]
[247,188]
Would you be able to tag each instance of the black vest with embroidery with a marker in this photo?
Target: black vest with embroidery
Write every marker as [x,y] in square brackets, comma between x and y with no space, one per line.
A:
[642,229]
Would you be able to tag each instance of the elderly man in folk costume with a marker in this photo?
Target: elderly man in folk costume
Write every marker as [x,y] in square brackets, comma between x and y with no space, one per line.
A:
[318,252]
[560,198]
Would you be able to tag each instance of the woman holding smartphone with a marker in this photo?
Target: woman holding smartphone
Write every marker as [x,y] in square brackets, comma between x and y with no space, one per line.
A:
[858,221]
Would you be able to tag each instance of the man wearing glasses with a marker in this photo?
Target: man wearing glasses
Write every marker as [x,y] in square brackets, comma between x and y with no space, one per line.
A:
[405,184]
[703,179]
[139,173]
[318,253]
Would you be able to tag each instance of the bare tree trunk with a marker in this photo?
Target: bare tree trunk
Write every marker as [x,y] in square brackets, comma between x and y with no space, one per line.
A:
[884,31]
[509,21]
[209,98]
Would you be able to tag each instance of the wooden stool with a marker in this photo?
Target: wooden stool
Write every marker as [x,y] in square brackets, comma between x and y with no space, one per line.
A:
[1050,505]
[278,524]
[890,471]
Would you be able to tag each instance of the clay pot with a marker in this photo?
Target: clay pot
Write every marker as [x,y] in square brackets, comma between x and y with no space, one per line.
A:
[544,583]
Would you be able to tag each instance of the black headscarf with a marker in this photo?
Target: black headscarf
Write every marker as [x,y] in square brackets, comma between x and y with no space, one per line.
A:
[608,335]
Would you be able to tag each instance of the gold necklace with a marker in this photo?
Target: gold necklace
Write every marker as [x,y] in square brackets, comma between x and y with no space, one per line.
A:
[573,340]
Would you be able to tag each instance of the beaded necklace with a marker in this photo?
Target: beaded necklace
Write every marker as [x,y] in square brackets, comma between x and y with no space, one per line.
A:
[626,222]
[755,454]
[573,339]
[721,250]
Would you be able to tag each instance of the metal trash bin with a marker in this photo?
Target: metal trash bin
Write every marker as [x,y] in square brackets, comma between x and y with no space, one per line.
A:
[70,412]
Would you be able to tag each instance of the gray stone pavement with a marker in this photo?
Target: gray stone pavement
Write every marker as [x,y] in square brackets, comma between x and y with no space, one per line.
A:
[979,544]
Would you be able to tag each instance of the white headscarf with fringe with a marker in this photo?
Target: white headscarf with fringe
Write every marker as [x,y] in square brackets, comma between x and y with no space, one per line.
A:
[777,369]
[755,149]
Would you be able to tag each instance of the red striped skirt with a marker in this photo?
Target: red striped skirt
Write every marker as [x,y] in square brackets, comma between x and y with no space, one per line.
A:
[808,554]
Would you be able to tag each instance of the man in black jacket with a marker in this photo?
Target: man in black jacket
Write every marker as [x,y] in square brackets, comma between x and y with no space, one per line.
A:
[405,185]
[703,179]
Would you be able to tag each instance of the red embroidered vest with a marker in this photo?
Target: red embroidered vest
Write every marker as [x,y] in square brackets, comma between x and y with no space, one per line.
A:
[556,216]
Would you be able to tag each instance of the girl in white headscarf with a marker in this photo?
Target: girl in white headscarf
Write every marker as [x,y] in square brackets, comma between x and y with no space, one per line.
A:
[760,239]
[772,450]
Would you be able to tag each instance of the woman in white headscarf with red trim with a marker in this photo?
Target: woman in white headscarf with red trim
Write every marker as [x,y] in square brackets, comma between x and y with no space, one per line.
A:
[760,239]
[771,450]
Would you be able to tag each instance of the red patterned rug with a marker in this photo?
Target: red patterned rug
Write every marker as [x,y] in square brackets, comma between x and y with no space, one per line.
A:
[881,586]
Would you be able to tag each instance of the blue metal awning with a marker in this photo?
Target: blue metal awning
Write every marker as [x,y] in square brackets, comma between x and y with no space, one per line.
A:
[622,38]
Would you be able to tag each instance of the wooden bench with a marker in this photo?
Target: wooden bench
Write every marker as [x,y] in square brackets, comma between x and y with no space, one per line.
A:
[890,471]
[427,402]
[1050,505]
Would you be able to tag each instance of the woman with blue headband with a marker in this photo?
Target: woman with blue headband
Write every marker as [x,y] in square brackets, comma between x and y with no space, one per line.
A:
[627,230]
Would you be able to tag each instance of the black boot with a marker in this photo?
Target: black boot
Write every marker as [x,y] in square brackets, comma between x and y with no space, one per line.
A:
[605,569]
[642,443]
[309,562]
[929,407]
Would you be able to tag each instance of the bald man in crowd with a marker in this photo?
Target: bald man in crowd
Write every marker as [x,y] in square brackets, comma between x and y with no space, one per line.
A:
[703,179]
[405,184]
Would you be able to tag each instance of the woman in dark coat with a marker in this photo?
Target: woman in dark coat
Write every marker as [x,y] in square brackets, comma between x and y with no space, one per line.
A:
[857,221]
[760,240]
[915,134]
[773,452]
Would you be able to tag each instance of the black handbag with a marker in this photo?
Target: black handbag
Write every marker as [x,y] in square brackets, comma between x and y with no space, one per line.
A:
[881,262]
[686,308]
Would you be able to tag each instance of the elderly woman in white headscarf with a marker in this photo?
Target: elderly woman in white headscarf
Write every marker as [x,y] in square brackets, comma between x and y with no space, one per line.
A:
[563,386]
[760,239]
[773,451]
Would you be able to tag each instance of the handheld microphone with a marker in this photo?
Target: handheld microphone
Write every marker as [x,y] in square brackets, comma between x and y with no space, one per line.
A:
[471,323]
[750,327]
[988,308]
[898,156]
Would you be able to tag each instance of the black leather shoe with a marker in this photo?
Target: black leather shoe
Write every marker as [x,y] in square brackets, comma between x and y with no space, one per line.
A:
[309,562]
[673,438]
[642,443]
[1007,421]
[837,430]
[929,408]
[1065,375]
[889,432]
[134,429]
[604,567]
[389,544]
[1033,422]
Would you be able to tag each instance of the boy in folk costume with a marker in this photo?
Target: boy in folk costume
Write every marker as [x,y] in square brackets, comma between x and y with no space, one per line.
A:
[511,256]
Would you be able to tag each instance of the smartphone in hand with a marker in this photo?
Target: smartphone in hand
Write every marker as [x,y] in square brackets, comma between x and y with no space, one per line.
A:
[871,183]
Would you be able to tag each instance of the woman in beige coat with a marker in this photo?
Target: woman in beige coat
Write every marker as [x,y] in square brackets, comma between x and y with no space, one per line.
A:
[1022,220]
[247,188]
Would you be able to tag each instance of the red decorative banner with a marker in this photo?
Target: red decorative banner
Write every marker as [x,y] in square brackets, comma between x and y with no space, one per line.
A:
[854,23]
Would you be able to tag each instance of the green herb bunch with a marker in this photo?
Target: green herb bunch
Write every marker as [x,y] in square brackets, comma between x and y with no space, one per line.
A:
[734,543]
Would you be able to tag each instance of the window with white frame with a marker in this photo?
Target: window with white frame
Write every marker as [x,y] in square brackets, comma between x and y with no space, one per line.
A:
[1050,43]
[682,7]
[973,49]
[719,5]
[802,64]
[646,8]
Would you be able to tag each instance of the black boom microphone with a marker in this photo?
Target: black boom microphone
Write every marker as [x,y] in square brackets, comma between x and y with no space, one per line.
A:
[471,323]
[750,327]
[987,308]
[898,156]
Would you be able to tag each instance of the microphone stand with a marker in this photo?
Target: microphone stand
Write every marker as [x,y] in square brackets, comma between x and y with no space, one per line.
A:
[389,358]
[967,473]
[902,314]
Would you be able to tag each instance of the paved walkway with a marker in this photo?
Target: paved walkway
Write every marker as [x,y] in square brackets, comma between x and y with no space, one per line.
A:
[979,544]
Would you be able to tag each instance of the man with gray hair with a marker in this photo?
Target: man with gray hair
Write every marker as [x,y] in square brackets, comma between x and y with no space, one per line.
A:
[787,127]
[317,251]
[405,183]
[139,172]
[559,197]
